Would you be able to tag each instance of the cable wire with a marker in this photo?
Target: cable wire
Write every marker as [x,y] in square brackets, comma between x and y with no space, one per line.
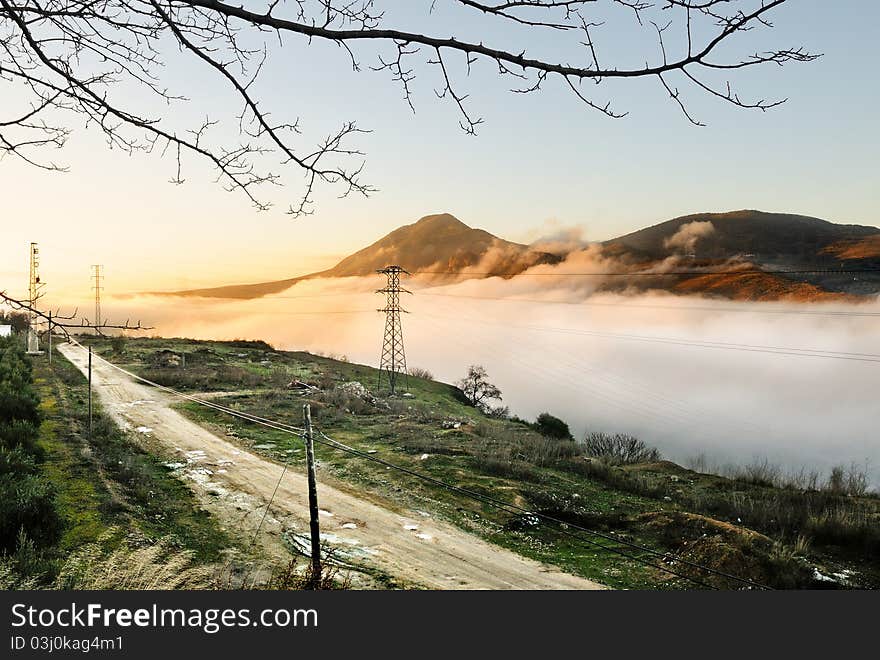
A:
[694,343]
[564,524]
[695,308]
[293,430]
[676,273]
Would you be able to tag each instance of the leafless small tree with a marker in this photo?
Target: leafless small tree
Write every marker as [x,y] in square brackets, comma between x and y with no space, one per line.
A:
[619,449]
[89,59]
[477,388]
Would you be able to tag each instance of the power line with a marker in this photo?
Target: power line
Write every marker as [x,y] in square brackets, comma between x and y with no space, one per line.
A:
[724,308]
[750,348]
[675,273]
[630,406]
[674,414]
[210,404]
[564,525]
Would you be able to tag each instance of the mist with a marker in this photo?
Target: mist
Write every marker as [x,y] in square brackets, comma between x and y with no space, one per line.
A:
[615,363]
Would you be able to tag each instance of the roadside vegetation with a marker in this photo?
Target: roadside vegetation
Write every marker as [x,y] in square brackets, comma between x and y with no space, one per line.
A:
[30,523]
[99,511]
[817,535]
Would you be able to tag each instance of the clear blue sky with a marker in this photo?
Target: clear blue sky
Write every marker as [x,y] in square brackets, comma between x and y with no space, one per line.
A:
[536,159]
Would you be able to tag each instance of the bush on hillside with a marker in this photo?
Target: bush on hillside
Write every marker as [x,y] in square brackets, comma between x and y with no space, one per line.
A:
[419,372]
[619,449]
[552,427]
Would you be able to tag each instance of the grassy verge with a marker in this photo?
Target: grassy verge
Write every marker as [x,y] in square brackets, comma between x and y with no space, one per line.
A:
[114,500]
[129,483]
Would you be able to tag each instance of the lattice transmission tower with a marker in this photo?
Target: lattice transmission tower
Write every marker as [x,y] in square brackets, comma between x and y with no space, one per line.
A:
[392,365]
[97,277]
[34,288]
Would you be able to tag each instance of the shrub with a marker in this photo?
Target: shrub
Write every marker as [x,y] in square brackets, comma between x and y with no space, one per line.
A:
[758,473]
[516,454]
[847,481]
[619,449]
[347,400]
[27,502]
[498,412]
[19,434]
[552,427]
[257,344]
[418,372]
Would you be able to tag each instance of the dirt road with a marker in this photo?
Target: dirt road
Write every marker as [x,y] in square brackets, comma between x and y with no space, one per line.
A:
[236,485]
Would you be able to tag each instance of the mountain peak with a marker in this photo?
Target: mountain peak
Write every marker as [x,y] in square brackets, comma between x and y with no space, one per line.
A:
[439,241]
[440,220]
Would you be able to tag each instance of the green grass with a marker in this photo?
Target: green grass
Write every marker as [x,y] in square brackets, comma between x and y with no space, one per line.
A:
[108,483]
[505,460]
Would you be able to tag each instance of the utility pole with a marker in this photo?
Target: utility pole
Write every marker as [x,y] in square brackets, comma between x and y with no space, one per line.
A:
[34,286]
[90,392]
[49,338]
[313,499]
[96,276]
[392,363]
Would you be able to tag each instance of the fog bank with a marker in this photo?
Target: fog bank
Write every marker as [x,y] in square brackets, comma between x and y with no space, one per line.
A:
[636,364]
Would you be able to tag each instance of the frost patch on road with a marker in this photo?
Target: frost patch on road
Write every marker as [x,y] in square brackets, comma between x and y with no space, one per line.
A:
[349,526]
[411,528]
[144,429]
[195,456]
[424,537]
[843,577]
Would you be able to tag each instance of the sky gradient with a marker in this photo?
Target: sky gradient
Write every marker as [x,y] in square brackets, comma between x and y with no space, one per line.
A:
[538,161]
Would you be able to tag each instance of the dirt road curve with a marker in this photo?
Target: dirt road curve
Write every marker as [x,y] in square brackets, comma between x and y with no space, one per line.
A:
[237,484]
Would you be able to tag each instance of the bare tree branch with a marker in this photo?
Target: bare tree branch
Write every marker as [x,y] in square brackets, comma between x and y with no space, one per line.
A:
[81,57]
[65,323]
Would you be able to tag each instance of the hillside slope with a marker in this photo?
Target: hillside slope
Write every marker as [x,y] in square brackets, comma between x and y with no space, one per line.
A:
[761,237]
[741,526]
[440,243]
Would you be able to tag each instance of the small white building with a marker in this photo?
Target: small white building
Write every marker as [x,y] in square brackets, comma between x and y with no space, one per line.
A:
[5,330]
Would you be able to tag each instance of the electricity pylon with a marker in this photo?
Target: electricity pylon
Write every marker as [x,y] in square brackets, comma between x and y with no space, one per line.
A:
[392,364]
[96,275]
[34,286]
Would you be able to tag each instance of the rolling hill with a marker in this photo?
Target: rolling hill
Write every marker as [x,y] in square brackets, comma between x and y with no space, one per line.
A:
[438,243]
[767,238]
[749,240]
[755,240]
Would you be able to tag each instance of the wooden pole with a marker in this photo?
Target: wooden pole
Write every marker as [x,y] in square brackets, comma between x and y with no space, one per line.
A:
[90,392]
[50,337]
[313,499]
